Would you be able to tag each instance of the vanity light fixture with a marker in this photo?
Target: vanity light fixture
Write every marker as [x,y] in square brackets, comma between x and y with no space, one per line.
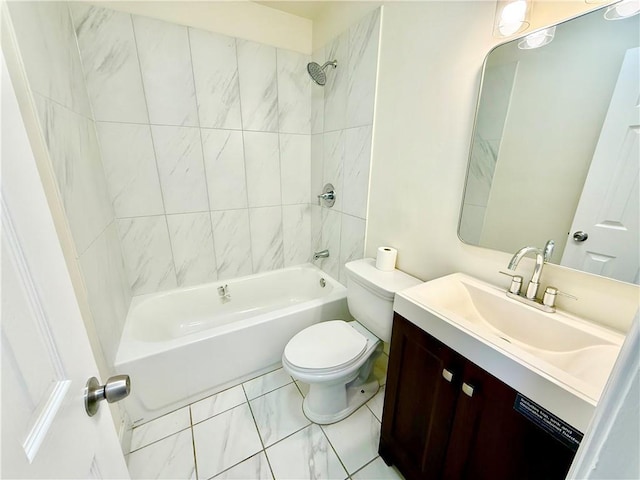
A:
[623,9]
[537,39]
[512,16]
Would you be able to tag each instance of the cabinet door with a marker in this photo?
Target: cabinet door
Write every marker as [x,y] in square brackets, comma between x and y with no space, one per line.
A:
[491,440]
[419,402]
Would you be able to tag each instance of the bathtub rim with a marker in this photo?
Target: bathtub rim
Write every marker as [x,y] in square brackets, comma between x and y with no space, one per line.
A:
[139,349]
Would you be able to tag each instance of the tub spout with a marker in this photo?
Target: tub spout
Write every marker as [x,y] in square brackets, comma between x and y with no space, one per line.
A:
[321,254]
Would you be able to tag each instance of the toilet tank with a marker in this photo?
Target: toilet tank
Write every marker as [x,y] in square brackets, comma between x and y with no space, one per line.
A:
[370,294]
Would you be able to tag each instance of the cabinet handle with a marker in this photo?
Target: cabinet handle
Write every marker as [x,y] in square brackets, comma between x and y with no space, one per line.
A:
[447,375]
[467,389]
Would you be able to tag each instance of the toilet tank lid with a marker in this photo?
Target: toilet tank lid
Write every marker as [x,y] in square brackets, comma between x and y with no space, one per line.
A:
[364,271]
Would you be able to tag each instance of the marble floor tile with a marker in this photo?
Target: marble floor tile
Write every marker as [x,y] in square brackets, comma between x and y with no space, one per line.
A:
[279,414]
[303,387]
[355,438]
[256,467]
[218,403]
[170,458]
[305,455]
[160,428]
[380,367]
[266,383]
[377,470]
[377,403]
[225,440]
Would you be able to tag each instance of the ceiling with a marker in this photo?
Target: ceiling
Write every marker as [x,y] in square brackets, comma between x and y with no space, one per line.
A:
[311,10]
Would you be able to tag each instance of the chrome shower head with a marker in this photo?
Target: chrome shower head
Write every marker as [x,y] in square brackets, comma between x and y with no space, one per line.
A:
[317,72]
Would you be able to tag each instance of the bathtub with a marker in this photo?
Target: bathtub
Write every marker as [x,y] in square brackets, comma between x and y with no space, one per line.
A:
[183,345]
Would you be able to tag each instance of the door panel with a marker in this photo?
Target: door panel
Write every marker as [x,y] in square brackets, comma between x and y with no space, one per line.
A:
[46,357]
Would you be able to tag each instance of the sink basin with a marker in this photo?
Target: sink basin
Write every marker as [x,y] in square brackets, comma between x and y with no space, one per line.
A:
[573,351]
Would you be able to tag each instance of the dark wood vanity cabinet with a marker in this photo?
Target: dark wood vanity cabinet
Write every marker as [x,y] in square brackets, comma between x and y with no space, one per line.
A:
[445,417]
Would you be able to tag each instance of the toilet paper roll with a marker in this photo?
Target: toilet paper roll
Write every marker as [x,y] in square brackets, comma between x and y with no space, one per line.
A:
[386,259]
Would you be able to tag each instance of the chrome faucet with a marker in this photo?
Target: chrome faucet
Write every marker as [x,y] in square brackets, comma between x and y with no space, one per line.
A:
[321,254]
[542,256]
[223,293]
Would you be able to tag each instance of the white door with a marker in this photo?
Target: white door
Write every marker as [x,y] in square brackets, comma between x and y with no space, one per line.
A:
[46,357]
[608,211]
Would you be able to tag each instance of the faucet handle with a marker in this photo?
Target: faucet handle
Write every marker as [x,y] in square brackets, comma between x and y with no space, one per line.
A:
[516,282]
[550,295]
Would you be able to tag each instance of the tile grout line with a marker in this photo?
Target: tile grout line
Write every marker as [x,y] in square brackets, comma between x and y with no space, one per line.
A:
[193,443]
[264,450]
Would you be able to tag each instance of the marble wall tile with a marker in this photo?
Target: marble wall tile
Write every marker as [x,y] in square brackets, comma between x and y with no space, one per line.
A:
[107,288]
[110,62]
[75,155]
[317,96]
[317,167]
[362,70]
[192,246]
[147,254]
[331,231]
[224,163]
[294,92]
[215,69]
[333,164]
[484,156]
[47,43]
[357,163]
[130,169]
[262,160]
[316,229]
[232,243]
[351,242]
[165,60]
[258,86]
[296,227]
[295,168]
[336,89]
[266,238]
[181,167]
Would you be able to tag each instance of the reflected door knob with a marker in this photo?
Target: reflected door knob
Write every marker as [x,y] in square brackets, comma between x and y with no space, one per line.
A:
[580,236]
[116,388]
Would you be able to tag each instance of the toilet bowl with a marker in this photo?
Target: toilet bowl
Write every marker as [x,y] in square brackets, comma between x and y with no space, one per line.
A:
[335,357]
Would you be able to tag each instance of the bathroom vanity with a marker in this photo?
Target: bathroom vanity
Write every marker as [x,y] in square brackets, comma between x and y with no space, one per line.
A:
[473,390]
[445,417]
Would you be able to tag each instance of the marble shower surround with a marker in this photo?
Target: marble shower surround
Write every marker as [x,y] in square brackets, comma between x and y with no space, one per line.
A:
[342,120]
[205,141]
[47,43]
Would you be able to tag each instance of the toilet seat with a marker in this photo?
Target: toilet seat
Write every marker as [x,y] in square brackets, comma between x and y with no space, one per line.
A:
[325,346]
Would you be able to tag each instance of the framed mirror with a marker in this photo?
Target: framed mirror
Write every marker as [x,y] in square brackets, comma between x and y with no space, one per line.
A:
[554,153]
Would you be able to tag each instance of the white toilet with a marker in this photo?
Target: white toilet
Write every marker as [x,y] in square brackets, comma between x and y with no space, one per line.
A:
[336,357]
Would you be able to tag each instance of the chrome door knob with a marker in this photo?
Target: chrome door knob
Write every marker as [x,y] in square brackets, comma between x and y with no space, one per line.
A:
[116,388]
[580,236]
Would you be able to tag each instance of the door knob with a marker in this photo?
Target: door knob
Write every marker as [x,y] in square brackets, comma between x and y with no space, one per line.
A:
[116,388]
[580,236]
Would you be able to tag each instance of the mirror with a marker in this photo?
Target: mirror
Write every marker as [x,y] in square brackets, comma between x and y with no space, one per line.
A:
[554,151]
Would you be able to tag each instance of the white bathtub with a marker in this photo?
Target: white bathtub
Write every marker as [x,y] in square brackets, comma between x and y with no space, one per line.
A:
[183,345]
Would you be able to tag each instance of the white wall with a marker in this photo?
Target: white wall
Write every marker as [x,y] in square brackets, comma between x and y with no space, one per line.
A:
[242,19]
[431,55]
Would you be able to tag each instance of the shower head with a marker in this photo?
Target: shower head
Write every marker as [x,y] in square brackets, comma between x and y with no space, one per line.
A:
[317,72]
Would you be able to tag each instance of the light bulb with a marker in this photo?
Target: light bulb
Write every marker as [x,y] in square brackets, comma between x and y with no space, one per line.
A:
[512,17]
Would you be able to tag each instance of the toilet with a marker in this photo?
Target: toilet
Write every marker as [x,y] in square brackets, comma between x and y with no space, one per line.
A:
[336,357]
